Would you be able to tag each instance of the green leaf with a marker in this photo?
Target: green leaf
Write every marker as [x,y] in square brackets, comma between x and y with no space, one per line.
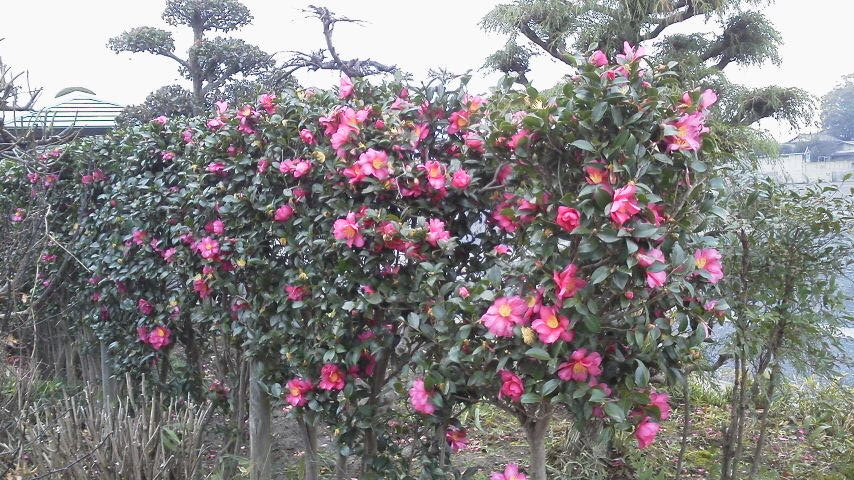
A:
[599,111]
[551,386]
[531,398]
[615,412]
[538,353]
[583,144]
[641,375]
[599,275]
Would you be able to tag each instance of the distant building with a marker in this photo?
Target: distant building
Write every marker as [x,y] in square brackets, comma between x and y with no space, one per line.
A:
[816,157]
[83,113]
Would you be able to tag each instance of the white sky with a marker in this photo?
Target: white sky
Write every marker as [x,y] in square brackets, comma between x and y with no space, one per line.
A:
[63,42]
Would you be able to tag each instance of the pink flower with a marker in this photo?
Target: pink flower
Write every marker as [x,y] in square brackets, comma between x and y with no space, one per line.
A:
[624,205]
[511,472]
[630,54]
[296,292]
[707,99]
[159,337]
[374,162]
[501,249]
[686,132]
[550,326]
[517,137]
[307,137]
[657,210]
[456,438]
[142,334]
[19,215]
[662,402]
[568,218]
[568,284]
[345,87]
[435,174]
[145,307]
[208,247]
[297,167]
[216,226]
[169,254]
[297,389]
[139,236]
[645,432]
[215,124]
[87,179]
[511,386]
[161,120]
[266,101]
[647,259]
[187,136]
[33,177]
[167,156]
[217,168]
[98,175]
[709,260]
[503,314]
[463,292]
[419,398]
[436,232]
[263,164]
[459,121]
[461,179]
[598,59]
[283,213]
[419,133]
[656,279]
[504,173]
[347,230]
[201,287]
[331,377]
[473,141]
[581,366]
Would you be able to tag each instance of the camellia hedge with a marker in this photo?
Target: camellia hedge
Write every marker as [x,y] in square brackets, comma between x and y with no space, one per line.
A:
[388,256]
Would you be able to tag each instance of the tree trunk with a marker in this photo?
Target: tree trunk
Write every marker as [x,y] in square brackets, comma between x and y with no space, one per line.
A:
[340,466]
[757,452]
[536,431]
[686,428]
[108,383]
[260,426]
[309,437]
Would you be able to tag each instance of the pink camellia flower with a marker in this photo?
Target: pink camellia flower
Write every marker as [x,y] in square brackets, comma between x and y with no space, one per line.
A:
[139,236]
[568,218]
[709,259]
[216,227]
[435,174]
[33,177]
[568,284]
[657,210]
[662,402]
[19,215]
[511,472]
[419,398]
[263,164]
[266,102]
[645,433]
[503,314]
[215,124]
[298,389]
[296,292]
[550,326]
[98,175]
[142,334]
[145,307]
[630,54]
[297,167]
[581,366]
[504,173]
[501,249]
[159,337]
[707,99]
[167,156]
[463,292]
[598,59]
[459,121]
[307,137]
[647,259]
[374,162]
[457,438]
[86,179]
[689,129]
[187,136]
[512,386]
[169,254]
[436,232]
[201,287]
[161,120]
[217,168]
[347,230]
[208,247]
[283,213]
[624,205]
[473,141]
[331,377]
[517,137]
[461,179]
[345,87]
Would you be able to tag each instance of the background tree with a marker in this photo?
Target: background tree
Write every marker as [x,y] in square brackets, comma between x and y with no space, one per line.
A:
[210,63]
[837,110]
[742,37]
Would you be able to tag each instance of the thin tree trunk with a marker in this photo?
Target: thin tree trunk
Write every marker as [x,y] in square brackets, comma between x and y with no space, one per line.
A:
[108,383]
[727,448]
[757,452]
[686,428]
[536,431]
[260,426]
[340,466]
[742,418]
[309,436]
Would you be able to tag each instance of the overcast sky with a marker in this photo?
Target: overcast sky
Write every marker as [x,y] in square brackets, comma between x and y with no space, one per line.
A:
[63,42]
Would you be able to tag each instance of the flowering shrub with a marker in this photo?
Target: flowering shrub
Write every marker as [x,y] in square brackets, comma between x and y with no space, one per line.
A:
[390,255]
